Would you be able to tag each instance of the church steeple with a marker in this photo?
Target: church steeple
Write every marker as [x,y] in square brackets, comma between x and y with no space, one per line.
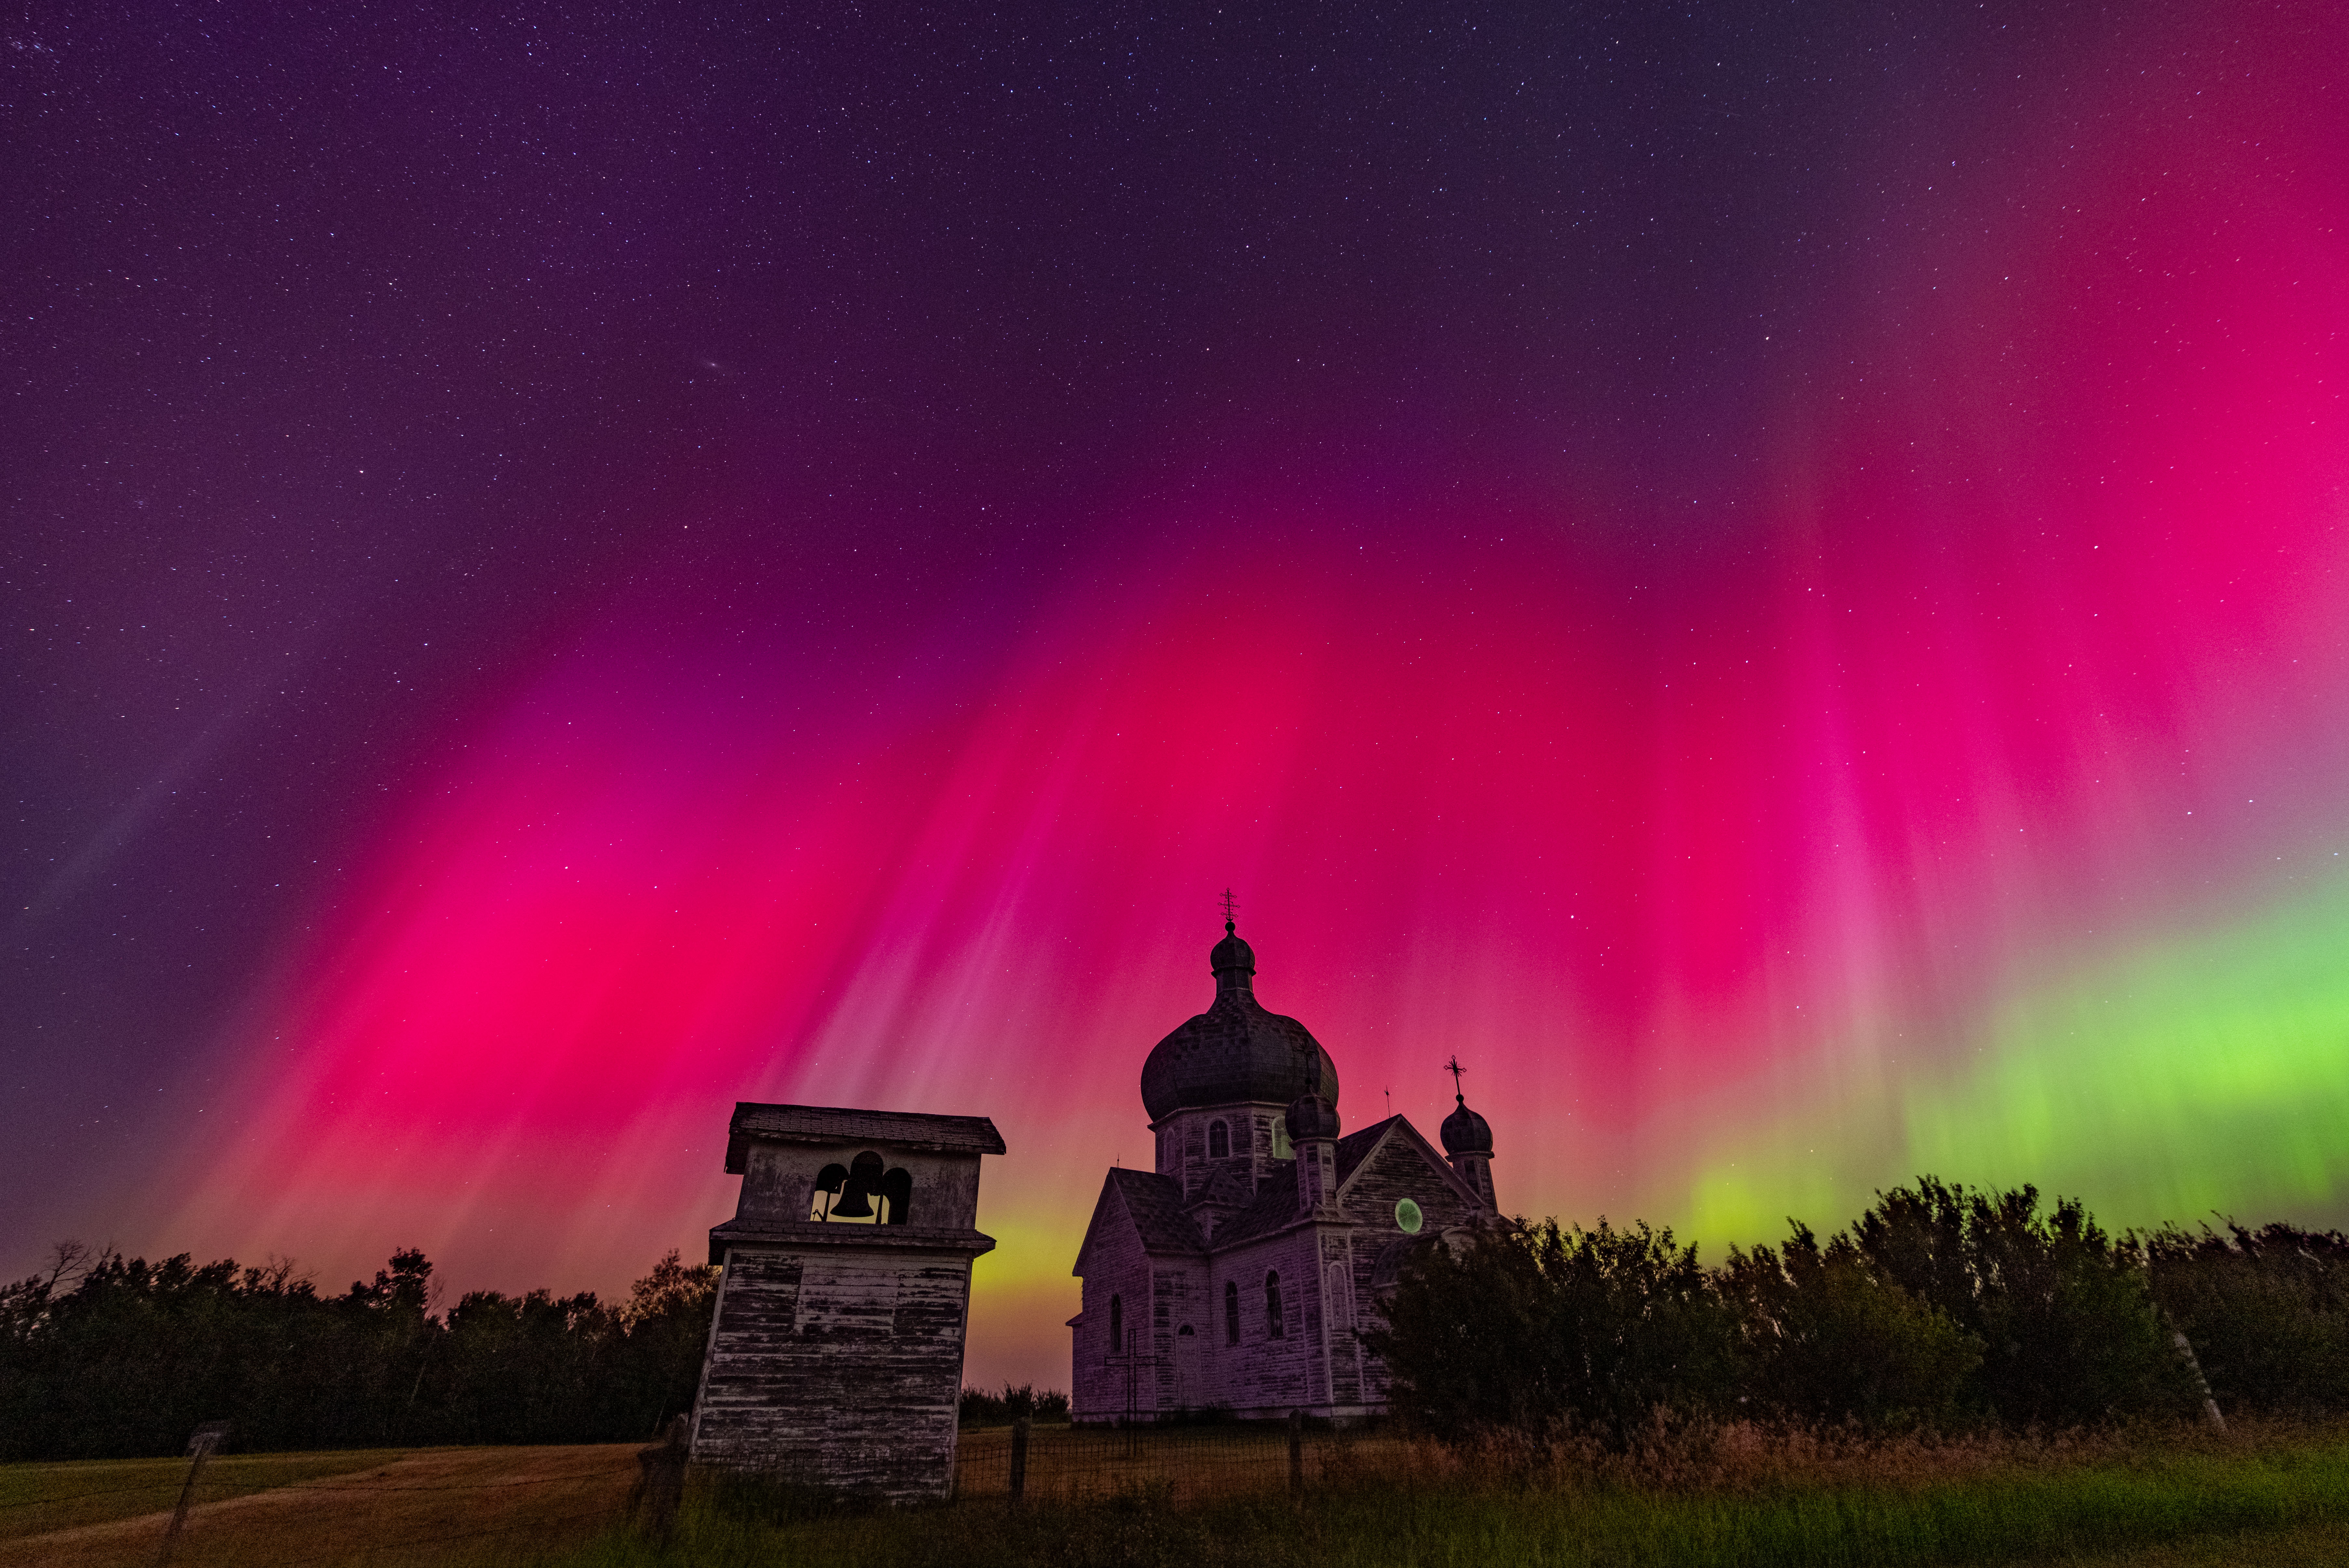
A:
[1468,1141]
[1232,960]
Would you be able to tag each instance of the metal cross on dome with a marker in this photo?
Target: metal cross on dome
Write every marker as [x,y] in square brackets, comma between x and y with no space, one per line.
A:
[1229,904]
[1455,1069]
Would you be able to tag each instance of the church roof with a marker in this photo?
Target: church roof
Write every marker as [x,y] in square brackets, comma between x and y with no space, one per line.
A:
[1236,1051]
[1228,1187]
[1275,1207]
[1155,1202]
[1355,1147]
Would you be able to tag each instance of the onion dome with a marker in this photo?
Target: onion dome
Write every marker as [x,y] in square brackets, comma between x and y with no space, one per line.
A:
[1465,1132]
[1233,958]
[1309,1116]
[1236,1051]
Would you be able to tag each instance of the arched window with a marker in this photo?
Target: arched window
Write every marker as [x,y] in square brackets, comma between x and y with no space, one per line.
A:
[1272,1305]
[1116,1324]
[1219,1141]
[1231,1312]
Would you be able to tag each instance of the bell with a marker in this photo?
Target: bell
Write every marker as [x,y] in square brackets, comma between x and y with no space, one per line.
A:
[827,1187]
[864,1179]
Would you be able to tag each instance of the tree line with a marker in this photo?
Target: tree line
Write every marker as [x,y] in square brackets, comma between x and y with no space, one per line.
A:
[108,1356]
[1941,1307]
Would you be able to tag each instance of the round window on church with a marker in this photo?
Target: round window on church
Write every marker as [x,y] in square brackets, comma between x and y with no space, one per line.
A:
[1407,1216]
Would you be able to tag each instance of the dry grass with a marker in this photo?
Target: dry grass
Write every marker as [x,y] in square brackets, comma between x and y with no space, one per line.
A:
[433,1507]
[2166,1498]
[1739,1495]
[2313,1546]
[36,1499]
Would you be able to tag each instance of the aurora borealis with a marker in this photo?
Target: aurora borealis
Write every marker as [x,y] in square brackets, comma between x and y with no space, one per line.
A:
[1774,580]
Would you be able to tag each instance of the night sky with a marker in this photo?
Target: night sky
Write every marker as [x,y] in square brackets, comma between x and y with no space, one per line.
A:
[1772,576]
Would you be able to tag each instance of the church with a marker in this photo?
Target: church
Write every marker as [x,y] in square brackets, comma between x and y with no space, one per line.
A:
[1239,1273]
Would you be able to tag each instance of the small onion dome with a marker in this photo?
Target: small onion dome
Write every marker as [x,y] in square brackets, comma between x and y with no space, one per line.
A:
[1232,960]
[1311,1117]
[1465,1132]
[1236,1052]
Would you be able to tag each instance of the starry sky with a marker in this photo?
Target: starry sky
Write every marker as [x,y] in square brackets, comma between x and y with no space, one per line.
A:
[1770,575]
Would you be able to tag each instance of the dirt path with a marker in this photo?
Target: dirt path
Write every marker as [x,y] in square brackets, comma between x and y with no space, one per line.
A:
[424,1508]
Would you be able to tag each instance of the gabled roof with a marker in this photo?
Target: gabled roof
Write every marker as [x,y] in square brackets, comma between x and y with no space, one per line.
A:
[1355,1147]
[759,1123]
[1228,1187]
[1274,1209]
[1152,1205]
[1354,1150]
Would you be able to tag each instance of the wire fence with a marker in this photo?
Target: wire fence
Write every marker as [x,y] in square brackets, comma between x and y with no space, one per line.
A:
[1184,1464]
[417,1506]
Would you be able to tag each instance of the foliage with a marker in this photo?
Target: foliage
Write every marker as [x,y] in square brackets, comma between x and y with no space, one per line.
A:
[2267,1311]
[108,1356]
[1535,1329]
[980,1408]
[2066,1319]
[2277,1498]
[1825,1337]
[1939,1306]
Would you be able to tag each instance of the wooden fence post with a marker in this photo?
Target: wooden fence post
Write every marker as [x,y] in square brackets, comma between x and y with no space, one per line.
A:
[1297,1453]
[209,1436]
[662,1485]
[2194,1364]
[1019,1460]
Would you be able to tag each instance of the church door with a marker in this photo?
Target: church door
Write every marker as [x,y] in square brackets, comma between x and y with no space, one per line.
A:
[1186,1369]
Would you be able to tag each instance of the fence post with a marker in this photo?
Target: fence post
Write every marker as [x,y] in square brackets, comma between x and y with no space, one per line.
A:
[2194,1364]
[1019,1460]
[661,1485]
[208,1436]
[1297,1453]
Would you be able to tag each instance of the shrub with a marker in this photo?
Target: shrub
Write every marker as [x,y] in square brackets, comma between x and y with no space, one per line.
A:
[1538,1329]
[980,1408]
[2267,1312]
[2066,1318]
[1824,1337]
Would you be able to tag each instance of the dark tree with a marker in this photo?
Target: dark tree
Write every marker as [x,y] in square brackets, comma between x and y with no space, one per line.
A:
[1824,1337]
[2266,1310]
[2066,1319]
[102,1356]
[1539,1329]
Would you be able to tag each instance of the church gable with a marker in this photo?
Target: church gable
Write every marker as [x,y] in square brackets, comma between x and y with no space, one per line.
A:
[1395,1163]
[1140,1207]
[1111,1226]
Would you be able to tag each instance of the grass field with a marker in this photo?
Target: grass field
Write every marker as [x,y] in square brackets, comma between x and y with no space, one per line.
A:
[385,1509]
[2272,1495]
